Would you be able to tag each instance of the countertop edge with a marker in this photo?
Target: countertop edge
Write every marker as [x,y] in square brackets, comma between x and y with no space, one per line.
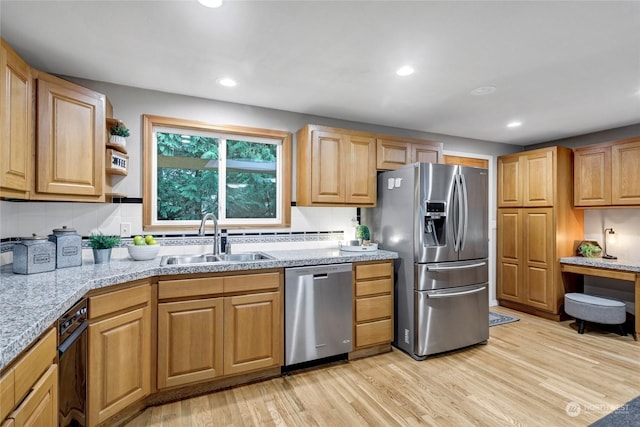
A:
[120,271]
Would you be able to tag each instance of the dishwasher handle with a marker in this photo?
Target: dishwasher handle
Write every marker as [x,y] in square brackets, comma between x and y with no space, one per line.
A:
[66,344]
[320,276]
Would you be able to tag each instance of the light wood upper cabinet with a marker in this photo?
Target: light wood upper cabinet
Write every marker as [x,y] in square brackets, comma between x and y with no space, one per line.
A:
[527,179]
[16,125]
[607,174]
[335,167]
[625,169]
[393,153]
[119,354]
[70,142]
[592,176]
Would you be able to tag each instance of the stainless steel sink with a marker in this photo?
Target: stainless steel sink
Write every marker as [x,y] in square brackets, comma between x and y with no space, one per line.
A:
[210,258]
[188,259]
[249,256]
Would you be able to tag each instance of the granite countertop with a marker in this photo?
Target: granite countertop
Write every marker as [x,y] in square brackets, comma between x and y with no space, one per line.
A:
[613,264]
[32,303]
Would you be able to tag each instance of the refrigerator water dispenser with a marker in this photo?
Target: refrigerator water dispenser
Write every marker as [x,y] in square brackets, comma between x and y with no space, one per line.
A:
[435,223]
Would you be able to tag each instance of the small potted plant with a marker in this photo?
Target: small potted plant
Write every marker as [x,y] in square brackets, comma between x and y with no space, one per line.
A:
[118,133]
[102,245]
[363,234]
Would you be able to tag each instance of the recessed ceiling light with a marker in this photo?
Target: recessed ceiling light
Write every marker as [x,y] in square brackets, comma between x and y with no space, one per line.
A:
[483,90]
[211,3]
[226,81]
[514,124]
[405,71]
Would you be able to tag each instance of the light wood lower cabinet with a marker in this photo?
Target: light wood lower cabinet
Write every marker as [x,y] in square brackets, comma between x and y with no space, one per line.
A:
[32,385]
[119,351]
[229,325]
[373,304]
[252,332]
[191,340]
[40,408]
[526,255]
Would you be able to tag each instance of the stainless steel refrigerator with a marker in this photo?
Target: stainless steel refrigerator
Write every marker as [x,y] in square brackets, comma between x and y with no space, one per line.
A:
[436,217]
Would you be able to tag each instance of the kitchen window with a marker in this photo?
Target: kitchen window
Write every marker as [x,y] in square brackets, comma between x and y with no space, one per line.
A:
[240,174]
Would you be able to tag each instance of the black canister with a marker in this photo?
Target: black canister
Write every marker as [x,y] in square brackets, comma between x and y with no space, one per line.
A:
[68,247]
[35,254]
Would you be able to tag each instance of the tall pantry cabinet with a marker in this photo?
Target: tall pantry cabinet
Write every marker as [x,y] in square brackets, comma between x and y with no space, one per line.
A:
[536,226]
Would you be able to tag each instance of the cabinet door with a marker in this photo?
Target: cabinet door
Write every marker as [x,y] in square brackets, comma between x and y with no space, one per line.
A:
[539,259]
[16,138]
[538,179]
[510,254]
[327,171]
[509,190]
[425,154]
[592,177]
[40,408]
[625,179]
[189,341]
[70,140]
[253,332]
[391,155]
[360,170]
[119,363]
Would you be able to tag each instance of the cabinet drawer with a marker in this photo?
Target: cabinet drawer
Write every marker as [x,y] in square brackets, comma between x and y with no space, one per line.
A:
[370,271]
[190,287]
[33,364]
[7,399]
[372,333]
[252,282]
[374,308]
[118,300]
[372,287]
[40,408]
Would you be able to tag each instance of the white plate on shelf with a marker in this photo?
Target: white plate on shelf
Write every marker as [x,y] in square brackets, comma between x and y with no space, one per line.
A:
[370,248]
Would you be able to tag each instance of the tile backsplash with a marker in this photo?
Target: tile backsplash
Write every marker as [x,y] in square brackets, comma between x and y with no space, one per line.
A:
[19,219]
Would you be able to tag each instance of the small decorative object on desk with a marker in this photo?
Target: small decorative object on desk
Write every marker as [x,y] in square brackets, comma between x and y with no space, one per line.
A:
[589,249]
[102,245]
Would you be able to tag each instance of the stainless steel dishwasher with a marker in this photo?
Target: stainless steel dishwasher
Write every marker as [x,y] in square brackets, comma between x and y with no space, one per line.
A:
[318,312]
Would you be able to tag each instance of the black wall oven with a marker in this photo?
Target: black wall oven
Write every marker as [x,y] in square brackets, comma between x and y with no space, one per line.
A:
[72,364]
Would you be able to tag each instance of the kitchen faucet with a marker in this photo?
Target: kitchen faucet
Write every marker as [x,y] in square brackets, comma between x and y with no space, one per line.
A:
[201,232]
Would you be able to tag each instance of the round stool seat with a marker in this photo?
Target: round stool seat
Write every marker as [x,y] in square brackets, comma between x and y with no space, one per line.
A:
[597,309]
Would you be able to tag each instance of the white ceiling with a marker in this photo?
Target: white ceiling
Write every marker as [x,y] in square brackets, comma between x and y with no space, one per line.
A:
[563,68]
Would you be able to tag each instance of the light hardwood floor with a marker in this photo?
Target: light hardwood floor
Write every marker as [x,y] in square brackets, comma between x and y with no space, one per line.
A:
[527,375]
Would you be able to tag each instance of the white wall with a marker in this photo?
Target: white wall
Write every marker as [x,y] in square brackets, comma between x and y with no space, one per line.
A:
[626,223]
[24,218]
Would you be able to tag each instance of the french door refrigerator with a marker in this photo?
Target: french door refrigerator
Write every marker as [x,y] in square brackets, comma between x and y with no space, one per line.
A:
[436,217]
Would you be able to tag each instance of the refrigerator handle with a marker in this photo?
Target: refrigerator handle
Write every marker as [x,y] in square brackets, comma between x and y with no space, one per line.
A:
[460,267]
[465,203]
[459,202]
[456,294]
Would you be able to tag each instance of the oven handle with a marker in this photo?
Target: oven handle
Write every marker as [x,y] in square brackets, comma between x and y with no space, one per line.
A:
[75,335]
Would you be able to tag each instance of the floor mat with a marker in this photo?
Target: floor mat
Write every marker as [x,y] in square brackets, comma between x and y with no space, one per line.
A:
[500,319]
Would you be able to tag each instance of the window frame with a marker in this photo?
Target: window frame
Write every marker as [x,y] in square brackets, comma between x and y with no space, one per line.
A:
[148,162]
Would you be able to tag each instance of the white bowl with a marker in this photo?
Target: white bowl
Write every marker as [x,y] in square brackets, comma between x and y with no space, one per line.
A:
[143,252]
